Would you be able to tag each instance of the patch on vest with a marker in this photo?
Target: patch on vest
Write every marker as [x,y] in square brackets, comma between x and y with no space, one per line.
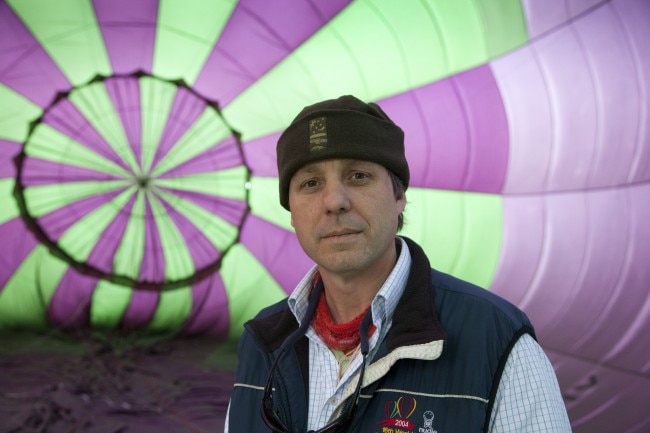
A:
[398,413]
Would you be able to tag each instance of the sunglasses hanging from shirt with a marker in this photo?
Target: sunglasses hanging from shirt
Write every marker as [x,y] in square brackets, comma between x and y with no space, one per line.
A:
[341,423]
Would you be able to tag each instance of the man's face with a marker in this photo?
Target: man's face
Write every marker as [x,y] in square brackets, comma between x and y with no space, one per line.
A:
[345,215]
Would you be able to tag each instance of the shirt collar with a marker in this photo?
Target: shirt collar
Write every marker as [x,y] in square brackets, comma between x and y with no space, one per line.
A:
[384,303]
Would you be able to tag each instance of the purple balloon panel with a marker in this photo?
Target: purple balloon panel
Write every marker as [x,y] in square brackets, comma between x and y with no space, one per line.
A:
[576,105]
[456,133]
[69,307]
[592,392]
[261,156]
[259,34]
[574,262]
[275,247]
[129,31]
[542,17]
[8,151]
[26,67]
[141,309]
[16,245]
[209,312]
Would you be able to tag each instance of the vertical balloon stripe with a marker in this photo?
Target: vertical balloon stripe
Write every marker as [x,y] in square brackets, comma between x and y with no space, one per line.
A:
[174,307]
[141,309]
[65,118]
[103,251]
[456,133]
[265,249]
[125,97]
[185,35]
[221,156]
[49,144]
[186,108]
[257,36]
[26,67]
[129,255]
[206,132]
[70,305]
[379,48]
[460,232]
[16,114]
[157,99]
[153,262]
[67,30]
[209,314]
[120,32]
[58,220]
[22,303]
[14,249]
[43,199]
[108,304]
[249,287]
[176,255]
[95,104]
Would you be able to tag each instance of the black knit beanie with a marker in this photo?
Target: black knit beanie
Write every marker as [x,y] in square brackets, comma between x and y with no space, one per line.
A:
[340,128]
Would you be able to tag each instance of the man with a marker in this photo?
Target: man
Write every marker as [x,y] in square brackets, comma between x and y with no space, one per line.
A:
[373,339]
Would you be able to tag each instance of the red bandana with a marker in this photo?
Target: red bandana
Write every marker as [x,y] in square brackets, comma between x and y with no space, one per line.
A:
[344,336]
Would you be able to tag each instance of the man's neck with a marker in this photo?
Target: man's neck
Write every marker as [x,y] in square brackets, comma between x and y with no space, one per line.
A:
[349,295]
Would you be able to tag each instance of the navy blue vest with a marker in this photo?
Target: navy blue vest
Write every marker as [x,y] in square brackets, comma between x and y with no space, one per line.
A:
[452,393]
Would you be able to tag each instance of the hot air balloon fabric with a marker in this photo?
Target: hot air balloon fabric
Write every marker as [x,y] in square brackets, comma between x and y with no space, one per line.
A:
[138,187]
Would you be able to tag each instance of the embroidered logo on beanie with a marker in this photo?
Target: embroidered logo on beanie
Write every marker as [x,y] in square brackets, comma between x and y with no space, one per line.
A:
[317,134]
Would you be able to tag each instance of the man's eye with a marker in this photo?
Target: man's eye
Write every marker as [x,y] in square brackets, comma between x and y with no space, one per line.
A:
[360,175]
[309,184]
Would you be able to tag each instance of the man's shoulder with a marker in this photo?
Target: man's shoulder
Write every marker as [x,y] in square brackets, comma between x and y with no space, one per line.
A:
[278,308]
[272,325]
[448,286]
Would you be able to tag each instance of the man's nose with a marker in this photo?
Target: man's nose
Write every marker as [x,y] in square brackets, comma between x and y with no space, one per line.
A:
[335,197]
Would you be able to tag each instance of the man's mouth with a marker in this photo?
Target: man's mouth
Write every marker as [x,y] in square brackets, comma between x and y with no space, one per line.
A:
[340,234]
